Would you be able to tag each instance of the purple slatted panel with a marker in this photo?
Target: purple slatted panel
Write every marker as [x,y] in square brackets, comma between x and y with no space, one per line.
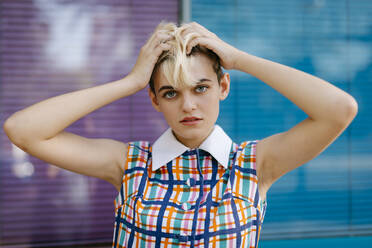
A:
[49,48]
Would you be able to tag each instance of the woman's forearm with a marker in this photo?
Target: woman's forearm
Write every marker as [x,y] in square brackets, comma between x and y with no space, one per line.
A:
[319,99]
[47,118]
[44,120]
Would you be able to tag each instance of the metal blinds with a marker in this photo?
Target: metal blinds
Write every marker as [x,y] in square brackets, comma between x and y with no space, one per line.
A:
[54,47]
[331,194]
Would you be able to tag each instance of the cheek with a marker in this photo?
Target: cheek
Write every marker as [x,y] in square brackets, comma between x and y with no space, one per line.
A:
[211,103]
[167,109]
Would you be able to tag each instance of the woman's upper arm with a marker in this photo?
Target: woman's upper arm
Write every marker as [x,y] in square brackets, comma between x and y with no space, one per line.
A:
[101,158]
[280,153]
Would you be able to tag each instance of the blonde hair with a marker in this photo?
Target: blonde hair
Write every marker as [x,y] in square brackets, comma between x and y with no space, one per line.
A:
[174,63]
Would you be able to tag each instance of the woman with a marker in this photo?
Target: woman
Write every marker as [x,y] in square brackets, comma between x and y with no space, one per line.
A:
[193,186]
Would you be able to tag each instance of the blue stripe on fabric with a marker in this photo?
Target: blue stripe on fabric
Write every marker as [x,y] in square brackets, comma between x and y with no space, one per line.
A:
[209,203]
[256,198]
[179,182]
[167,196]
[131,236]
[247,170]
[122,193]
[258,223]
[232,173]
[213,203]
[140,148]
[140,193]
[237,223]
[197,205]
[137,168]
[196,237]
[117,220]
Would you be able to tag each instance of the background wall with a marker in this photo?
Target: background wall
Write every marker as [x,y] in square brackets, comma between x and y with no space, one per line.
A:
[329,196]
[49,48]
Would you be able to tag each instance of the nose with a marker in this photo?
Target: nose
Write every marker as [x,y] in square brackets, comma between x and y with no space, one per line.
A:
[188,103]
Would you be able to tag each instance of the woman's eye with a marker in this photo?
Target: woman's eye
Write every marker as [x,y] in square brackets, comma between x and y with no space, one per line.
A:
[169,94]
[201,89]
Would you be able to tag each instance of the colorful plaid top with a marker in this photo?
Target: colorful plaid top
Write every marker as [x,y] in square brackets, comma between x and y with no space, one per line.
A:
[191,200]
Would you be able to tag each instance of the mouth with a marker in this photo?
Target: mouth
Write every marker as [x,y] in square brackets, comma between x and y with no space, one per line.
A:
[191,120]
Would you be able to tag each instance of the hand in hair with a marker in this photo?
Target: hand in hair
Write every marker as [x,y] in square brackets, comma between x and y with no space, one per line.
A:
[196,34]
[148,56]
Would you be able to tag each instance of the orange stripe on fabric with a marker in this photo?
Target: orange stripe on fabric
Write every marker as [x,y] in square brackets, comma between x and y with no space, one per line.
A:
[251,178]
[242,210]
[146,189]
[178,172]
[177,168]
[238,179]
[157,184]
[170,215]
[129,149]
[174,243]
[135,159]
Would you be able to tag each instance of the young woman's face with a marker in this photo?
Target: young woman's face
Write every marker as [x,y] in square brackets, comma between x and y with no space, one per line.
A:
[191,111]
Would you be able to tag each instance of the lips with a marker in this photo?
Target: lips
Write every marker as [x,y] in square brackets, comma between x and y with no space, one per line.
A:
[190,119]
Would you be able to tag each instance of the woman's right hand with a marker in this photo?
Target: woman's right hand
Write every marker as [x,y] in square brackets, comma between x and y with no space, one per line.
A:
[148,56]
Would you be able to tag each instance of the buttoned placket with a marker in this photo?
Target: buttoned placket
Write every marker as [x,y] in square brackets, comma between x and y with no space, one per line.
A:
[186,205]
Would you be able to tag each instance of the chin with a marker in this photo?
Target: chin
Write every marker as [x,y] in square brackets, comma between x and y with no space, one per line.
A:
[193,132]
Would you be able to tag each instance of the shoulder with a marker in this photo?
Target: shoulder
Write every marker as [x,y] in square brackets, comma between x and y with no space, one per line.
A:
[248,149]
[252,152]
[140,145]
[249,156]
[136,151]
[129,153]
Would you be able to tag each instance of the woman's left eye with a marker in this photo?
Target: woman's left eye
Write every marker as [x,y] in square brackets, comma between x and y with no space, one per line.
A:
[201,89]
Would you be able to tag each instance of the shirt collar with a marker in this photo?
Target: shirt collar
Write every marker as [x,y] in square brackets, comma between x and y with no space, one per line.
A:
[167,147]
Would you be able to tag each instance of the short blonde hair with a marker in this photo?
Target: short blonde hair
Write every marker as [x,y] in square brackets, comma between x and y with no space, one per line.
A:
[175,62]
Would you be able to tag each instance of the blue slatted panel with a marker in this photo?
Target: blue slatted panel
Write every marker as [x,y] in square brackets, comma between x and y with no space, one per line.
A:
[331,194]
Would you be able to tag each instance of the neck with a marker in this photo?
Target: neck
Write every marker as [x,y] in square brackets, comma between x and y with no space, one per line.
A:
[192,143]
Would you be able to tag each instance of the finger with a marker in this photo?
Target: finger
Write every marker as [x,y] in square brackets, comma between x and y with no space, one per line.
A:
[196,27]
[161,34]
[186,29]
[194,41]
[161,38]
[202,30]
[162,47]
[201,41]
[162,41]
[189,38]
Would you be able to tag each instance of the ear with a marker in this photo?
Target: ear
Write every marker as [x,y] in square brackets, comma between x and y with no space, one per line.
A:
[224,86]
[154,100]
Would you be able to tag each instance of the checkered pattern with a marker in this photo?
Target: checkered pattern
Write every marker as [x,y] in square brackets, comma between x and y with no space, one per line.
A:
[217,207]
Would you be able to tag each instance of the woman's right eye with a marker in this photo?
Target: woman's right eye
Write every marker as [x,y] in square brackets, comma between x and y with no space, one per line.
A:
[170,94]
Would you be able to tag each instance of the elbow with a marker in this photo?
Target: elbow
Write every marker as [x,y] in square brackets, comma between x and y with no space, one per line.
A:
[355,106]
[352,109]
[12,129]
[8,127]
[349,111]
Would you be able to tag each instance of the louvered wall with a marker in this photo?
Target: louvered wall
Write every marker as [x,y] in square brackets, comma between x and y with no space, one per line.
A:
[54,47]
[330,195]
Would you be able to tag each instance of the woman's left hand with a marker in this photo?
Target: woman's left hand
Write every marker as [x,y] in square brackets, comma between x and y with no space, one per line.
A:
[199,35]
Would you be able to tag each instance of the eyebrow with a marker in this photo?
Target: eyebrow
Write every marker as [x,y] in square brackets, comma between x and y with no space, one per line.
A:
[169,87]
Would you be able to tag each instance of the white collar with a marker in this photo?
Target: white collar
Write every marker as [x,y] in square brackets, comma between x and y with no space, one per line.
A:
[167,147]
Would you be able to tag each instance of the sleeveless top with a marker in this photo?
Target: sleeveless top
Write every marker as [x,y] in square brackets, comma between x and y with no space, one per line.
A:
[192,201]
